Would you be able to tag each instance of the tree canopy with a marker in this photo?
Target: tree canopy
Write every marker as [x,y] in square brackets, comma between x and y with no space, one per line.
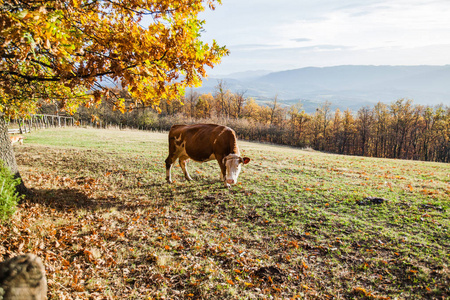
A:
[70,51]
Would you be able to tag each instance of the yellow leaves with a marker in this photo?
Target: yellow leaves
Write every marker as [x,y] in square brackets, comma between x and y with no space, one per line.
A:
[89,256]
[360,290]
[174,236]
[119,105]
[428,192]
[94,119]
[304,265]
[292,244]
[85,43]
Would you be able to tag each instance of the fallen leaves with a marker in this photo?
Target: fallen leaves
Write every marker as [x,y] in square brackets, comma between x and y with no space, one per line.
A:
[106,229]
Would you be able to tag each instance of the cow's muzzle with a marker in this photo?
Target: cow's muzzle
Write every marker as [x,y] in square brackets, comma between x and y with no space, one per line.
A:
[231,181]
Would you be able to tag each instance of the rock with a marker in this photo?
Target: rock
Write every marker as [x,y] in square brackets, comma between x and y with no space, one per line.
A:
[371,200]
[271,272]
[23,278]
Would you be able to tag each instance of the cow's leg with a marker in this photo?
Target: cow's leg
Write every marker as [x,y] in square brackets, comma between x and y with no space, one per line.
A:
[170,160]
[223,171]
[169,163]
[183,165]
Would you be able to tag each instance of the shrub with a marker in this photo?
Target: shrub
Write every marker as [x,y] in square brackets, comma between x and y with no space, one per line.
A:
[9,197]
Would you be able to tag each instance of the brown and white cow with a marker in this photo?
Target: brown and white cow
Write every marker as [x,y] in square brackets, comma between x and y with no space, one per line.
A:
[16,139]
[205,142]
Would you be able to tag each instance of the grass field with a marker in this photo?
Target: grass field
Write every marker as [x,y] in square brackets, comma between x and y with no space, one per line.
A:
[298,225]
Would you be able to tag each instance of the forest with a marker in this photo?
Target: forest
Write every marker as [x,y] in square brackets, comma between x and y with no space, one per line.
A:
[401,129]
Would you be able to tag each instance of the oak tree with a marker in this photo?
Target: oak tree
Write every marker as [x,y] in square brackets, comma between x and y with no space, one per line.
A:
[72,51]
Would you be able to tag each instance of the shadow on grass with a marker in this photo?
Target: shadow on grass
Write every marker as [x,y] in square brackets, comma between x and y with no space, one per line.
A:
[66,199]
[131,197]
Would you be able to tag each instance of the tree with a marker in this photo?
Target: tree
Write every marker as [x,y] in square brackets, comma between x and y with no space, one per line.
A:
[298,120]
[273,107]
[364,128]
[251,110]
[349,130]
[203,106]
[402,118]
[336,130]
[433,120]
[190,102]
[416,132]
[381,124]
[325,111]
[59,50]
[7,155]
[238,102]
[222,96]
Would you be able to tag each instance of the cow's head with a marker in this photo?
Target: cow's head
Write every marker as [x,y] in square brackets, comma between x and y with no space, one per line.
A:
[233,164]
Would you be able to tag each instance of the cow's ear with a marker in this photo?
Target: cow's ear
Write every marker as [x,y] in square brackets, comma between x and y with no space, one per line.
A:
[245,160]
[224,160]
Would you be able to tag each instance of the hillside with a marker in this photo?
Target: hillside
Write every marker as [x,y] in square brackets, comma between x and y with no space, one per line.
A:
[108,226]
[344,86]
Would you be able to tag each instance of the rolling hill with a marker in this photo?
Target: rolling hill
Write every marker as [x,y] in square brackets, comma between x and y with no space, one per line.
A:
[344,86]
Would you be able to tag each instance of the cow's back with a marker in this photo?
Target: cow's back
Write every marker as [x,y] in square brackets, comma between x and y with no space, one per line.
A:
[201,141]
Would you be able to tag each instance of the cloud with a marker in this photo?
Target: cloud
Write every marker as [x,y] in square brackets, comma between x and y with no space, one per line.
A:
[301,40]
[323,48]
[251,47]
[292,33]
[279,47]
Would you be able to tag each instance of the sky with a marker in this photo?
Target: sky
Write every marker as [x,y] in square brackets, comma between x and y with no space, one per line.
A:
[278,35]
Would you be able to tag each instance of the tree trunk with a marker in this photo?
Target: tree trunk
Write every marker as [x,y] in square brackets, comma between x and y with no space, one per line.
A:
[7,156]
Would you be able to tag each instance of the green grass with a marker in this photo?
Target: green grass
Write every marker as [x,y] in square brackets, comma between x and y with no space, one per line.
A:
[295,226]
[8,195]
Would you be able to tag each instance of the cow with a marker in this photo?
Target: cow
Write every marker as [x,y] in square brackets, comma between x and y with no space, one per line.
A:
[16,139]
[205,142]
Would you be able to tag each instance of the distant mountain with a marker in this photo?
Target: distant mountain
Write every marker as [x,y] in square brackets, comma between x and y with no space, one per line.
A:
[344,86]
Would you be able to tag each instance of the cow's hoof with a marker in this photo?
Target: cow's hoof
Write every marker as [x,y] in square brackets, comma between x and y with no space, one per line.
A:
[169,180]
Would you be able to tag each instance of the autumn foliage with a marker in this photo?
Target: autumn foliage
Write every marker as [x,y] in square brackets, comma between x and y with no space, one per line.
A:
[400,129]
[61,50]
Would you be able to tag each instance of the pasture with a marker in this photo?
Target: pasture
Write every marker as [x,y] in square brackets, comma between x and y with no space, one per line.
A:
[298,225]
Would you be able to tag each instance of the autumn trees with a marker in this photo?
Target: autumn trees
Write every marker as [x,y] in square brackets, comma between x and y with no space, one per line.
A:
[397,130]
[71,52]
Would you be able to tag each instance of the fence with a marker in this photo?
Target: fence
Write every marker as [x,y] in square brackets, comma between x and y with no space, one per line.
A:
[39,121]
